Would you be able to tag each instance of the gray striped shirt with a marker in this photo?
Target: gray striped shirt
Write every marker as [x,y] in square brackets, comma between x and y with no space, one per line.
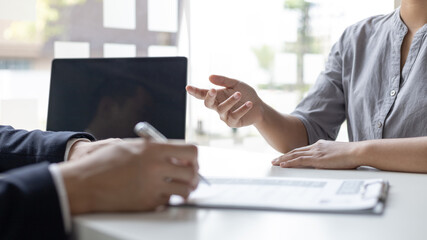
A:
[362,84]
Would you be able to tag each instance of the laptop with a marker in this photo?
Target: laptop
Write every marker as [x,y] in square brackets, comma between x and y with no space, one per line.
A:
[107,97]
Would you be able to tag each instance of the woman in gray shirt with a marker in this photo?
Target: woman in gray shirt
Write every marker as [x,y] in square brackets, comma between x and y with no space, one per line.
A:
[375,78]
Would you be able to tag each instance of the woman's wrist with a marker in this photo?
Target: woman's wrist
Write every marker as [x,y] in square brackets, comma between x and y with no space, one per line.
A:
[265,113]
[358,153]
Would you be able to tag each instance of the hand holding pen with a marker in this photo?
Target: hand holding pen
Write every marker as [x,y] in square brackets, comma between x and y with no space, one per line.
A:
[146,130]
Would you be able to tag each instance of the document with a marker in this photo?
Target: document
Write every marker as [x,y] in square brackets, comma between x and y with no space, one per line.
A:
[291,194]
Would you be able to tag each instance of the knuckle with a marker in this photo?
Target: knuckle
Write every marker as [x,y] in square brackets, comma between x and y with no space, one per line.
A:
[156,169]
[229,124]
[112,141]
[320,155]
[207,104]
[293,155]
[187,192]
[232,118]
[149,145]
[224,117]
[221,109]
[192,174]
[122,148]
[300,160]
[193,149]
[144,147]
[144,143]
[292,151]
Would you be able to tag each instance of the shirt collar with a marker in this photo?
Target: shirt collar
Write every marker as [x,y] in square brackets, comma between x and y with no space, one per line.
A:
[400,27]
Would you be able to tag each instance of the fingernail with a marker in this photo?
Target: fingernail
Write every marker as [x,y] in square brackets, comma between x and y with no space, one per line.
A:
[283,164]
[249,104]
[236,95]
[175,161]
[211,93]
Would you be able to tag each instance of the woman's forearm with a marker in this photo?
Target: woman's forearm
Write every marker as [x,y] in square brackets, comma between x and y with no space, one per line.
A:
[405,154]
[282,132]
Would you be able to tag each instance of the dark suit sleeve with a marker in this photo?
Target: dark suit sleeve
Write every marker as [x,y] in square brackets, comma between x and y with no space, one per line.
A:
[19,147]
[29,205]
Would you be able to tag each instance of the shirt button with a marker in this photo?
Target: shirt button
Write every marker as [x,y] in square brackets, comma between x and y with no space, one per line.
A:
[379,124]
[393,93]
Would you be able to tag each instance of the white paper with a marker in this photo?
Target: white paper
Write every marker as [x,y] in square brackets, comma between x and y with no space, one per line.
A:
[115,50]
[288,194]
[163,15]
[71,49]
[119,14]
[162,51]
[18,10]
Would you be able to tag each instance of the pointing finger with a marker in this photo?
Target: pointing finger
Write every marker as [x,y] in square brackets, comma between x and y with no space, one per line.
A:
[197,92]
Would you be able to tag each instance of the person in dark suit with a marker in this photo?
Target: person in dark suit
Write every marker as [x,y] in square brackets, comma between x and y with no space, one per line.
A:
[49,176]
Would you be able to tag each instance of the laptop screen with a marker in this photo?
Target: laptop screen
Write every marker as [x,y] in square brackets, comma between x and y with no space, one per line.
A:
[107,97]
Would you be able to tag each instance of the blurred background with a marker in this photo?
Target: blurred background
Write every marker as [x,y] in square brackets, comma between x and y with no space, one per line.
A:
[277,46]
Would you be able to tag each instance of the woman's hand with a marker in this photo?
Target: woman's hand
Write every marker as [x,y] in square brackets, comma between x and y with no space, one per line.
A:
[322,154]
[237,104]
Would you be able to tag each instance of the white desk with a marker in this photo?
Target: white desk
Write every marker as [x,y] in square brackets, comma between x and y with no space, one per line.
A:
[405,216]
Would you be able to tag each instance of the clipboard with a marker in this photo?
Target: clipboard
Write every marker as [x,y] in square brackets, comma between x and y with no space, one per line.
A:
[356,196]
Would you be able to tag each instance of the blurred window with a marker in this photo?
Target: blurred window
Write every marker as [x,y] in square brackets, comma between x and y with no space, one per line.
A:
[277,46]
[49,29]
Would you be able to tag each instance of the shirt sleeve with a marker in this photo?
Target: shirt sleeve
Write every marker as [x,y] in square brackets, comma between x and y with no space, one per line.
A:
[60,186]
[322,111]
[62,196]
[70,143]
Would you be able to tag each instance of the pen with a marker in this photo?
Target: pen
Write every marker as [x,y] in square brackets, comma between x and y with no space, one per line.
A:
[146,130]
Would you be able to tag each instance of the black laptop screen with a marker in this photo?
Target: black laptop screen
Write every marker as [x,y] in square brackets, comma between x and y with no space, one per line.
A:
[107,97]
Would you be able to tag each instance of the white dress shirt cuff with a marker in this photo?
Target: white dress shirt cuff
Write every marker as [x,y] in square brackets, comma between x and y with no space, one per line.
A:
[62,195]
[70,143]
[60,186]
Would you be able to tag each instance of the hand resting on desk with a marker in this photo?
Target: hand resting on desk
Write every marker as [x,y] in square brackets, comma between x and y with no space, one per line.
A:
[322,154]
